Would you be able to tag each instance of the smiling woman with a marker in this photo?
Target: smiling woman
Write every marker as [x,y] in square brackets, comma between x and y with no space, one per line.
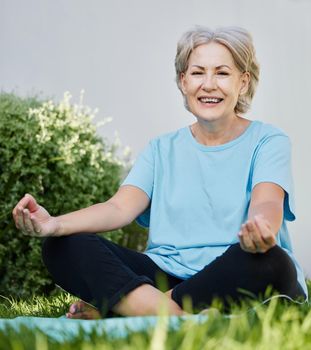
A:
[216,196]
[212,85]
[217,73]
[238,43]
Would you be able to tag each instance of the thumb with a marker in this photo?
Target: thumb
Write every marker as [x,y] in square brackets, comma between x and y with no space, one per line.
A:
[32,203]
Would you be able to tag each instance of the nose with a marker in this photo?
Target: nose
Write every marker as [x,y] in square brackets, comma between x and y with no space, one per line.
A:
[209,82]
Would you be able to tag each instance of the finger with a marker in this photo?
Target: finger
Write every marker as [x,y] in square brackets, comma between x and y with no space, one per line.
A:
[265,231]
[241,238]
[24,201]
[247,242]
[20,219]
[17,211]
[270,241]
[80,315]
[240,235]
[36,226]
[79,310]
[28,224]
[32,203]
[72,315]
[28,201]
[14,213]
[78,306]
[15,218]
[256,237]
[17,207]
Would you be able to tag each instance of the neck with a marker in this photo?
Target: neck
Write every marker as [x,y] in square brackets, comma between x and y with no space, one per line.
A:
[213,134]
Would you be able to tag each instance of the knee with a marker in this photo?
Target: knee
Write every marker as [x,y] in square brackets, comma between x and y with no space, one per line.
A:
[275,265]
[277,269]
[279,261]
[282,268]
[274,261]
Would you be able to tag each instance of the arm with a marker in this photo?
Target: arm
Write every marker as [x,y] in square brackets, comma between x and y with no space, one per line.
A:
[118,211]
[265,215]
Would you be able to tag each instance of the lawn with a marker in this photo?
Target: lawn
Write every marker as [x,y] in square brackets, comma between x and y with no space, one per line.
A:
[275,325]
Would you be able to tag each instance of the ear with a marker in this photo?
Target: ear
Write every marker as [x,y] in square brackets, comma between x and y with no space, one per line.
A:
[245,79]
[183,83]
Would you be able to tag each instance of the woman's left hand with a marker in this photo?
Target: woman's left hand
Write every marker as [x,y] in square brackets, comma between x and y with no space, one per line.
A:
[256,235]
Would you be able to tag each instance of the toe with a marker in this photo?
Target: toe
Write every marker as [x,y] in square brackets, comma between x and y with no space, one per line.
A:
[78,306]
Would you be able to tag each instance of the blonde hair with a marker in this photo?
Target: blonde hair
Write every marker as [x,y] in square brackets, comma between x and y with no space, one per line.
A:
[237,40]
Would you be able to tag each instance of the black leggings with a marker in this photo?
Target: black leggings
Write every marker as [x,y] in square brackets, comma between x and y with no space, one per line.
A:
[101,272]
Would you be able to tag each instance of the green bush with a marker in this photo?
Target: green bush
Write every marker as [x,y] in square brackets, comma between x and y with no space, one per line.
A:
[51,151]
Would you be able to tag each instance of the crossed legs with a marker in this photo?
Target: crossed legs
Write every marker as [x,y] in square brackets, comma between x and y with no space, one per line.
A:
[120,280]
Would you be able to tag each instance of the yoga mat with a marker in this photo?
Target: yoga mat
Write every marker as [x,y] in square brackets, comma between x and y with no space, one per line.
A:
[62,328]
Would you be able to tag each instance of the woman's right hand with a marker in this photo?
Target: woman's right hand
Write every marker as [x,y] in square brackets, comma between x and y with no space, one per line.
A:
[34,220]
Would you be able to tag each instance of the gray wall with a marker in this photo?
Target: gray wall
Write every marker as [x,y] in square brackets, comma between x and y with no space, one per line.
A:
[122,51]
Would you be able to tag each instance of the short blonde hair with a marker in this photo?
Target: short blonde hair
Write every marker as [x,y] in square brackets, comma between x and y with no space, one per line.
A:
[237,40]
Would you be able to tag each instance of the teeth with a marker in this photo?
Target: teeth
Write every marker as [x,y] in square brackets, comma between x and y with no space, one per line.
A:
[209,100]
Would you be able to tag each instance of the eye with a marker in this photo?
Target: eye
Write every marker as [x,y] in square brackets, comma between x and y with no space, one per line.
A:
[222,73]
[196,73]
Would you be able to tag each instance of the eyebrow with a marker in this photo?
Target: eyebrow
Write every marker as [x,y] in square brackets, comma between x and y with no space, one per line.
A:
[218,67]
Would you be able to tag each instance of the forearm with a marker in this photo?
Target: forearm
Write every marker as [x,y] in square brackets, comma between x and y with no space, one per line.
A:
[271,211]
[96,218]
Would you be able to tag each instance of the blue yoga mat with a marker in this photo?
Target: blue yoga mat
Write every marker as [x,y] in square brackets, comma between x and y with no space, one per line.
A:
[62,328]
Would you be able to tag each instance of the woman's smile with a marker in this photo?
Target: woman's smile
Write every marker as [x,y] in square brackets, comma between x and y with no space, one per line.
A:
[210,101]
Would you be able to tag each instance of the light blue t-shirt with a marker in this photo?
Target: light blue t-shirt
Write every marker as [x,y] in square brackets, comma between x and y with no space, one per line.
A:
[200,194]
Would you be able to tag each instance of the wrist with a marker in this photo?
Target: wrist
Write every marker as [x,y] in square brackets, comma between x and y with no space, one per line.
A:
[59,230]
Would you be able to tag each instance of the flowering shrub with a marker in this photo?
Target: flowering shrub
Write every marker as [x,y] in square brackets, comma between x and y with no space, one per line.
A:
[51,151]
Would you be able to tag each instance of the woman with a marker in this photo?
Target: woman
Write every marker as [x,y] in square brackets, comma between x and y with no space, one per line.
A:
[216,196]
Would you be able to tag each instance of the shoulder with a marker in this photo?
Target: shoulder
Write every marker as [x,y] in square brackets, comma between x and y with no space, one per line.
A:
[170,135]
[264,130]
[169,138]
[162,145]
[269,134]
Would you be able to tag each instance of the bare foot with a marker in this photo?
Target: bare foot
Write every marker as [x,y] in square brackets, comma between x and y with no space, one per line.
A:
[81,310]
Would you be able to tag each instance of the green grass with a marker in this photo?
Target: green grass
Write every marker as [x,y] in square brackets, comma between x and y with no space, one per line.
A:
[277,325]
[38,306]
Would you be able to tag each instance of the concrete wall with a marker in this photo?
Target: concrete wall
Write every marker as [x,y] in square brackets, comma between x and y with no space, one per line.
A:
[122,52]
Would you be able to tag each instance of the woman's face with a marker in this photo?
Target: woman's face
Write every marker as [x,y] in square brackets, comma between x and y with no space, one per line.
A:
[212,82]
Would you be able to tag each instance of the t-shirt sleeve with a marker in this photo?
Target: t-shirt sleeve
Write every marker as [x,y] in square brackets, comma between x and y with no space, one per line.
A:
[142,176]
[273,164]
